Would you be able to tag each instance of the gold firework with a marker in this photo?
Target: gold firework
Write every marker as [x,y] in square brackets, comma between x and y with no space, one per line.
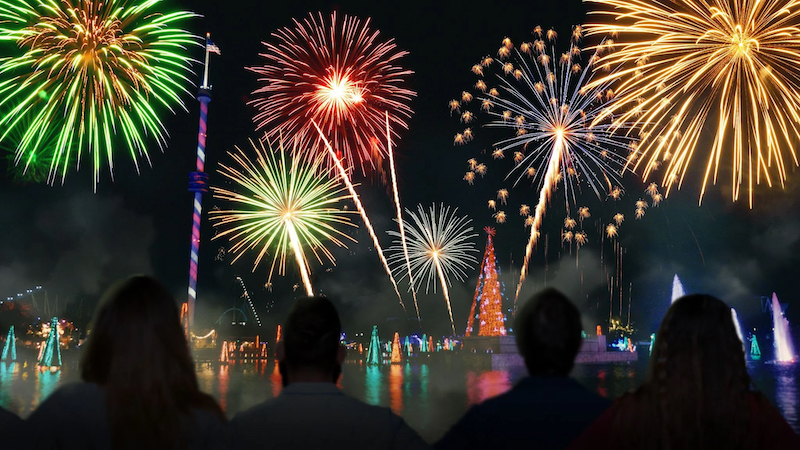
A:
[706,66]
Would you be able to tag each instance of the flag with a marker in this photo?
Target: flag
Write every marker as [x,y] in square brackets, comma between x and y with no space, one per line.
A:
[210,47]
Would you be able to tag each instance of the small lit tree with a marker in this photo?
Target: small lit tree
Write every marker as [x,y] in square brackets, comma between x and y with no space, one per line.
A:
[374,351]
[10,347]
[396,357]
[51,356]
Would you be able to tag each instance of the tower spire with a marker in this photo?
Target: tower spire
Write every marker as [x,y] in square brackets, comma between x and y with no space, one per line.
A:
[198,180]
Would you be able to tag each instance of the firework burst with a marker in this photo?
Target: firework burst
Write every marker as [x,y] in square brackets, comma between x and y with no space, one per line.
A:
[284,203]
[340,74]
[440,246]
[331,84]
[92,71]
[710,66]
[557,138]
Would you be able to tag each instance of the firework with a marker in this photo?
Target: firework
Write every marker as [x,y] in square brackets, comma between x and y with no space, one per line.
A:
[339,73]
[89,71]
[707,67]
[285,203]
[441,245]
[557,135]
[400,223]
[331,84]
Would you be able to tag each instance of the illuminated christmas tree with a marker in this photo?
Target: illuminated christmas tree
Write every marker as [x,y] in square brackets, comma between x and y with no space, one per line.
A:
[10,348]
[755,350]
[488,294]
[652,341]
[423,345]
[431,347]
[396,358]
[407,346]
[51,357]
[374,350]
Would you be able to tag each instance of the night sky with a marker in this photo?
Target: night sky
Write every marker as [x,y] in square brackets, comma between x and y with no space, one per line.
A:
[75,242]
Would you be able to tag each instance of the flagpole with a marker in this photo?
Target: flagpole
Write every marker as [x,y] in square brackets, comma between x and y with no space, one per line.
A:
[198,184]
[205,66]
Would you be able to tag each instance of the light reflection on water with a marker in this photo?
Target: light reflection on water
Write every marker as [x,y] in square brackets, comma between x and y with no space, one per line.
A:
[430,395]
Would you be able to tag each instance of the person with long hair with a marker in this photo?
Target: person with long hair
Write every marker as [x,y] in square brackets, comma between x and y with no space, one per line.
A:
[697,393]
[139,387]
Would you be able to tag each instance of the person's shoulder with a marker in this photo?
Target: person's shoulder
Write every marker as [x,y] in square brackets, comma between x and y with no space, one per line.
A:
[588,394]
[8,420]
[75,393]
[255,414]
[205,416]
[371,410]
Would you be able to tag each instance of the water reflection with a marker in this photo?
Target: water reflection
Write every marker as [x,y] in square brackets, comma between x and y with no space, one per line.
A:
[396,388]
[372,383]
[423,383]
[601,384]
[46,383]
[486,384]
[223,378]
[787,393]
[430,396]
[7,375]
[275,380]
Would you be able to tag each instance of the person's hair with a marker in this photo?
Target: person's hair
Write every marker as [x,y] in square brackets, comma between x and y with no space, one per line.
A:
[137,353]
[548,333]
[695,395]
[311,334]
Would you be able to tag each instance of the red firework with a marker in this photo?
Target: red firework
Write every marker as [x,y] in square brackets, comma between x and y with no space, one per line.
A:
[339,74]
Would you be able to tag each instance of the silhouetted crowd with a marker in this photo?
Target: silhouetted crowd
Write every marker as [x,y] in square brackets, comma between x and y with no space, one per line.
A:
[139,389]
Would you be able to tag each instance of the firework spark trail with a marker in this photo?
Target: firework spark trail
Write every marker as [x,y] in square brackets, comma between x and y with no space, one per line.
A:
[445,291]
[544,195]
[707,66]
[301,261]
[346,178]
[400,218]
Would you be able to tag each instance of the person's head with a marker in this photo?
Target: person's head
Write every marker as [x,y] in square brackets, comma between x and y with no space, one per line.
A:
[310,349]
[697,388]
[137,352]
[548,333]
[697,344]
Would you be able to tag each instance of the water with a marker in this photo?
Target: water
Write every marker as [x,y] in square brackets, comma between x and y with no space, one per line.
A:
[784,349]
[430,394]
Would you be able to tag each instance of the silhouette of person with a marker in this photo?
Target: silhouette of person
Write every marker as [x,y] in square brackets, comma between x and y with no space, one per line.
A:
[139,388]
[311,412]
[10,430]
[547,409]
[697,393]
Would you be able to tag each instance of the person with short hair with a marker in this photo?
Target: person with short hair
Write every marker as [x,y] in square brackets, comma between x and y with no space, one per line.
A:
[697,394]
[139,387]
[547,409]
[311,412]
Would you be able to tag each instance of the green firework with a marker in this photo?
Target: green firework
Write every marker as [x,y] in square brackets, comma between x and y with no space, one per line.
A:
[94,73]
[281,200]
